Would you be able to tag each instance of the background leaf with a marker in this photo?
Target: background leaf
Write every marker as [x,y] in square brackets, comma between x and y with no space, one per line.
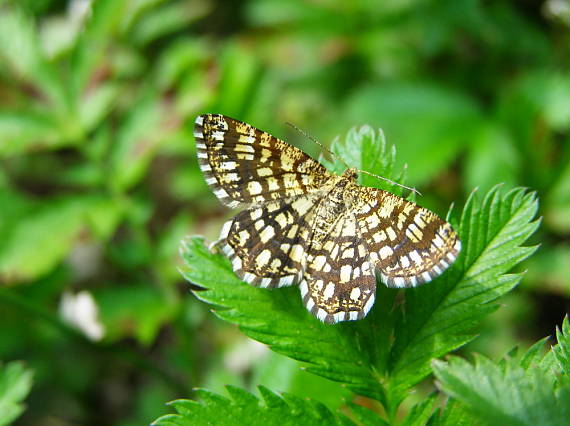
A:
[30,247]
[244,408]
[15,384]
[504,394]
[426,122]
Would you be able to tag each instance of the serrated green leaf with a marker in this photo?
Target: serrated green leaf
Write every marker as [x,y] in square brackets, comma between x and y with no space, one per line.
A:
[421,412]
[504,394]
[562,350]
[243,408]
[366,416]
[283,373]
[440,317]
[534,355]
[279,320]
[454,413]
[367,150]
[435,320]
[15,384]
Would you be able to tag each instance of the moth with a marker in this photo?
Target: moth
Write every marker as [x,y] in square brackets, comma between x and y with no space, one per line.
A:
[303,225]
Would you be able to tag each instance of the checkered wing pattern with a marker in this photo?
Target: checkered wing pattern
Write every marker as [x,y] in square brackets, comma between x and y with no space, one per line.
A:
[302,224]
[408,245]
[266,243]
[339,282]
[244,165]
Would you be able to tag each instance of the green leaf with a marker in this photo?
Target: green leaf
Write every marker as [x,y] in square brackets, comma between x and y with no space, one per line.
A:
[557,201]
[41,236]
[279,320]
[454,414]
[137,143]
[390,351]
[21,52]
[133,311]
[505,394]
[242,408]
[92,48]
[421,412]
[547,270]
[240,75]
[425,121]
[166,20]
[21,131]
[491,158]
[534,356]
[366,416]
[19,43]
[562,350]
[15,384]
[441,316]
[366,149]
[96,104]
[283,373]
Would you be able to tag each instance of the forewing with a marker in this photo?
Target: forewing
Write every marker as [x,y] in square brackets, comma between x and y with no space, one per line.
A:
[408,244]
[244,165]
[266,243]
[339,282]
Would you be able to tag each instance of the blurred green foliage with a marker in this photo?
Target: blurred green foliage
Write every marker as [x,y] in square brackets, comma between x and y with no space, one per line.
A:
[99,181]
[15,384]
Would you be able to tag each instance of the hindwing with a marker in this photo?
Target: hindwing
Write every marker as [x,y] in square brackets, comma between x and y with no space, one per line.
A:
[408,244]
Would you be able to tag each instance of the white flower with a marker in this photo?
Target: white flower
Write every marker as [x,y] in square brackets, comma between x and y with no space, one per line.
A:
[80,311]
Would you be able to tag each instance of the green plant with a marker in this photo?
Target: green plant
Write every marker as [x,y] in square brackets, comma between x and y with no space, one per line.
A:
[15,384]
[385,356]
[99,181]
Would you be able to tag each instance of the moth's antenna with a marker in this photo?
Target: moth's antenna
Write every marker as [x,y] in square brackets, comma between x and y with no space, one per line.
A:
[391,181]
[332,154]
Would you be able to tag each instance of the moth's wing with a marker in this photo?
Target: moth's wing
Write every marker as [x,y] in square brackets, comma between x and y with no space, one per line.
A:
[339,282]
[408,244]
[244,165]
[266,243]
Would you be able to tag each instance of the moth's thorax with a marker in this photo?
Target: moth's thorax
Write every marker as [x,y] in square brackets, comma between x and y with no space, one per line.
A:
[350,190]
[338,198]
